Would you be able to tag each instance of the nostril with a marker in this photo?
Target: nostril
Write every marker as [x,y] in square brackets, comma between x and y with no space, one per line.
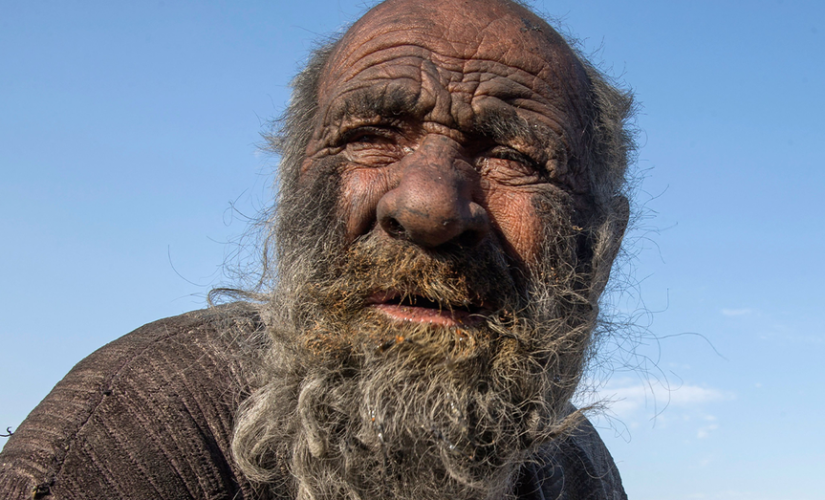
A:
[469,239]
[393,227]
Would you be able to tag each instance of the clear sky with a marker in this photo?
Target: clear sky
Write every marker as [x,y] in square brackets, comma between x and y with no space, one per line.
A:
[129,130]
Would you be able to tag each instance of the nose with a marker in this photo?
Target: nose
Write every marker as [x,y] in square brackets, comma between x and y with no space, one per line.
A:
[433,202]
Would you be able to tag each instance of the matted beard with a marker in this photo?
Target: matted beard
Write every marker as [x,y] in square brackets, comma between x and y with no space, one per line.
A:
[356,405]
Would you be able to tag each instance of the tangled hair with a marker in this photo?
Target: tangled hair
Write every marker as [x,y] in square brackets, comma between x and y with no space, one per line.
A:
[348,408]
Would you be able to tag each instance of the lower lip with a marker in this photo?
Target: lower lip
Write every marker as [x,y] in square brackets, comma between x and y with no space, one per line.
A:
[429,315]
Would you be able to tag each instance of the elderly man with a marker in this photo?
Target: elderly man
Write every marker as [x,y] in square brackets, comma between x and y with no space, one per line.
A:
[450,207]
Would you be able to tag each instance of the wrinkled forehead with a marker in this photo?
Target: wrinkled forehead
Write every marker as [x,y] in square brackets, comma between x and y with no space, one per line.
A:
[455,34]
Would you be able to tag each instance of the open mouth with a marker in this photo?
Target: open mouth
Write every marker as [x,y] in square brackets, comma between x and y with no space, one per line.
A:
[419,309]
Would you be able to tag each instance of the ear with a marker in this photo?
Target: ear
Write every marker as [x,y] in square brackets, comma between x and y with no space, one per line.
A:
[607,241]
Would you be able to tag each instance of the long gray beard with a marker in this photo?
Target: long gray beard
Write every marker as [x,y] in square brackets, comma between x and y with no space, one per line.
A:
[396,431]
[397,423]
[355,406]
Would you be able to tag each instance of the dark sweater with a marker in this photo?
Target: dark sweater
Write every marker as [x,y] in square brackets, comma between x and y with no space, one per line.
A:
[150,416]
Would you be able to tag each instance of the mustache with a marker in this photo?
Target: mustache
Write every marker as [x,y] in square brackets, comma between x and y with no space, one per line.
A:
[377,268]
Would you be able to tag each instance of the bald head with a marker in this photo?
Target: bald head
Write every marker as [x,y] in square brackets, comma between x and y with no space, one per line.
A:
[495,30]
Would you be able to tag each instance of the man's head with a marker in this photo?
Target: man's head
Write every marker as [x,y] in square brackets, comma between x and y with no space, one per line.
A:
[450,206]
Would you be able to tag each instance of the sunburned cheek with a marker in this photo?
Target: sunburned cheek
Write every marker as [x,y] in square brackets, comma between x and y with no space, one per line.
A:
[519,224]
[360,191]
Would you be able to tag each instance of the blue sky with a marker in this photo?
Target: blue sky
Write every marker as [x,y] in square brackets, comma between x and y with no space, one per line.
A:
[129,130]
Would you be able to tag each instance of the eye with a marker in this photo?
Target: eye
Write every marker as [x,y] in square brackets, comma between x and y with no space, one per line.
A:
[369,135]
[512,155]
[509,166]
[372,146]
[365,136]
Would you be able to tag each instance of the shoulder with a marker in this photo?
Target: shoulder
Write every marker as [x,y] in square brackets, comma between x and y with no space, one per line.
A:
[577,466]
[149,415]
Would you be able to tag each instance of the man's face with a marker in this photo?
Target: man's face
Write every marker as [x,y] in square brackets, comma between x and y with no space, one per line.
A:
[446,130]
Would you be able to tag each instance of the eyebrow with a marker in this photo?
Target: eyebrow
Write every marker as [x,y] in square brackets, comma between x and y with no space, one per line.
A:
[393,103]
[388,102]
[504,125]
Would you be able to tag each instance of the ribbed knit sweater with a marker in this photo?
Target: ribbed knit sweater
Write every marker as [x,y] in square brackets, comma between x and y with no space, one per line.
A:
[150,416]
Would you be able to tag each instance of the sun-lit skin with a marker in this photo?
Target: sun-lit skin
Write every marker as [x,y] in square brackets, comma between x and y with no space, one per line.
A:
[446,123]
